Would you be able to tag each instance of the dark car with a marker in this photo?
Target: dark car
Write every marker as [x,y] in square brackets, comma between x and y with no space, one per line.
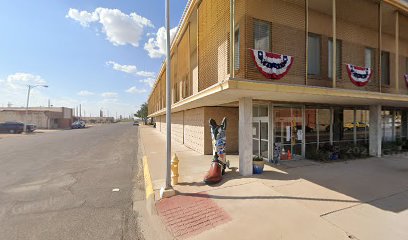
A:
[31,127]
[11,127]
[78,124]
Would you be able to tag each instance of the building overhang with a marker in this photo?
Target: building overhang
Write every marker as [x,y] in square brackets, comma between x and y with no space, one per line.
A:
[232,90]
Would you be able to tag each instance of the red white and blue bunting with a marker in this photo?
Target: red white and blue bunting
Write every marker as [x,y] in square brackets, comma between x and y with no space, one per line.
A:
[272,65]
[359,76]
[406,79]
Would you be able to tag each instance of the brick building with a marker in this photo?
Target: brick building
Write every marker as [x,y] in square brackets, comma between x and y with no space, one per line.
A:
[214,75]
[42,117]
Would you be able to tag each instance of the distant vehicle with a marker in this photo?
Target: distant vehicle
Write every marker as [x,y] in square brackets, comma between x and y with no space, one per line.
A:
[359,125]
[135,123]
[11,127]
[78,124]
[31,127]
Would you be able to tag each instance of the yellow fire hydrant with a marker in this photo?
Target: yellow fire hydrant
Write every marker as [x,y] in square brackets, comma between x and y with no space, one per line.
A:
[174,170]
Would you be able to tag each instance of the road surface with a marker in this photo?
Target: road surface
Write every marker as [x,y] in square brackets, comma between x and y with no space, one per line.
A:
[60,185]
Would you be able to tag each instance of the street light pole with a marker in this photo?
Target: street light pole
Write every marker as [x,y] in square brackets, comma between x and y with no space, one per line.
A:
[168,191]
[28,101]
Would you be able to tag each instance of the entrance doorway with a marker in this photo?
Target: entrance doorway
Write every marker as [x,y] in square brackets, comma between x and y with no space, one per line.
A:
[260,131]
[288,132]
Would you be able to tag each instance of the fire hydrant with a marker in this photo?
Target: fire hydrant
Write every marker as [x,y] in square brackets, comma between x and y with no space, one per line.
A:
[174,170]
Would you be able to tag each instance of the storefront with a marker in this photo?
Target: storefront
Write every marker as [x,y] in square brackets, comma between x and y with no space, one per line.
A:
[292,132]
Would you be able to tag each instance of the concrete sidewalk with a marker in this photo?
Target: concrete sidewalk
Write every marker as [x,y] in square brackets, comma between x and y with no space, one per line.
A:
[362,199]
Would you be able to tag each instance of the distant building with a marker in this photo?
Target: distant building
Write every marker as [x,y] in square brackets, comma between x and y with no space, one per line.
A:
[96,120]
[43,117]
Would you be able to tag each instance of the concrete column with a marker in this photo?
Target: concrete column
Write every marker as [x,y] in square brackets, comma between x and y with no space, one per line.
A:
[245,136]
[375,131]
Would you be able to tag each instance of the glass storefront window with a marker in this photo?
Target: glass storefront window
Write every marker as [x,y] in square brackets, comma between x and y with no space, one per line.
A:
[348,125]
[362,121]
[386,125]
[263,110]
[311,126]
[323,127]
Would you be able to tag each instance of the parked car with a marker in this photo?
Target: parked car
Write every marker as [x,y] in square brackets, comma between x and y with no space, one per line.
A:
[78,124]
[135,123]
[11,127]
[31,127]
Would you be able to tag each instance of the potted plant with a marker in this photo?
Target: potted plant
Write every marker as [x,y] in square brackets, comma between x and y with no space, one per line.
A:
[257,165]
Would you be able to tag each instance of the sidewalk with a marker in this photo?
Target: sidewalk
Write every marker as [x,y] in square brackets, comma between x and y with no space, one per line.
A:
[296,200]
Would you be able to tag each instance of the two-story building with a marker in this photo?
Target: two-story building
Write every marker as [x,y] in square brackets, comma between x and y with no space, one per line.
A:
[215,74]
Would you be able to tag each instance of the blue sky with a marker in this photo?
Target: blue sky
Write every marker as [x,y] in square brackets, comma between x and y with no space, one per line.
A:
[102,54]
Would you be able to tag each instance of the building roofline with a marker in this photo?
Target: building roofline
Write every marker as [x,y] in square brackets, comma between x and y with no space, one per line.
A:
[398,4]
[180,30]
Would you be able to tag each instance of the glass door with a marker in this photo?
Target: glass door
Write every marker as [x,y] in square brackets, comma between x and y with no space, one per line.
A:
[260,128]
[288,133]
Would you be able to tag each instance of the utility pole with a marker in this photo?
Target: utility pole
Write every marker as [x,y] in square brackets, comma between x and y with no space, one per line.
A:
[28,101]
[80,111]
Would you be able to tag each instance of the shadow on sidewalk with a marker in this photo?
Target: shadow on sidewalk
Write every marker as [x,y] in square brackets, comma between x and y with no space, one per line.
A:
[378,182]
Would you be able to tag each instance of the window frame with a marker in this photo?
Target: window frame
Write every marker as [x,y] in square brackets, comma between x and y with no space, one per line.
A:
[269,34]
[237,47]
[319,74]
[372,50]
[339,59]
[388,69]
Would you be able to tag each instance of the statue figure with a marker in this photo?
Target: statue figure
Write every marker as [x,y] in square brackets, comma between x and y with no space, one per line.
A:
[219,162]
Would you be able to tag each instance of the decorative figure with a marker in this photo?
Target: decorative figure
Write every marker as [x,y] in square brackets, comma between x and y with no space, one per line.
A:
[272,65]
[406,79]
[359,76]
[219,162]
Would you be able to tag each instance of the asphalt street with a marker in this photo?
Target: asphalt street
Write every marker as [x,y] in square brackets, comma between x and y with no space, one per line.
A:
[60,185]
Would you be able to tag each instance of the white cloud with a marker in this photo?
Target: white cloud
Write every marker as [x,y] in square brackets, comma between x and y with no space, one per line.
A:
[21,80]
[131,69]
[119,28]
[85,93]
[109,95]
[83,17]
[156,47]
[134,90]
[148,81]
[13,90]
[146,74]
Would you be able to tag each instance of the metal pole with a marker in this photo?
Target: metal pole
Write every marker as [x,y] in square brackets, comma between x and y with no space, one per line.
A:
[168,99]
[26,114]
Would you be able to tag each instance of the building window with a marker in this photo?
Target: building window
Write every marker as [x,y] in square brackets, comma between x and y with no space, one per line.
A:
[338,58]
[314,50]
[236,48]
[369,57]
[385,68]
[262,35]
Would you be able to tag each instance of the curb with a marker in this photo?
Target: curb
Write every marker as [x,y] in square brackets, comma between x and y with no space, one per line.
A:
[151,209]
[149,191]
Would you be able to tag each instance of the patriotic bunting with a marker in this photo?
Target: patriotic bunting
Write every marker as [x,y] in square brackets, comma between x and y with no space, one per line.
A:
[359,76]
[272,65]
